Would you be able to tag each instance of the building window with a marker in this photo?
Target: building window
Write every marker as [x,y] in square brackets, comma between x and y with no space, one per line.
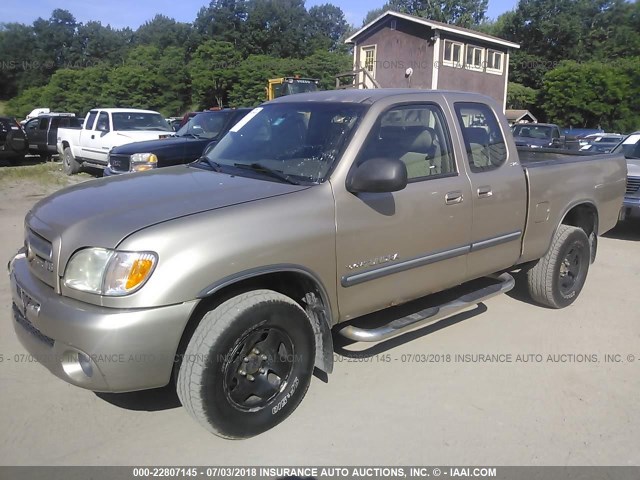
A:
[452,53]
[369,58]
[494,61]
[475,58]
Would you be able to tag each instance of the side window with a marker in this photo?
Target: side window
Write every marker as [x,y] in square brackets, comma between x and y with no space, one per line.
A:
[91,120]
[416,135]
[44,123]
[103,122]
[31,125]
[482,136]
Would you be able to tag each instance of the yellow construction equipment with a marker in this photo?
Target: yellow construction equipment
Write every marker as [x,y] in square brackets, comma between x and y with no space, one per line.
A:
[278,87]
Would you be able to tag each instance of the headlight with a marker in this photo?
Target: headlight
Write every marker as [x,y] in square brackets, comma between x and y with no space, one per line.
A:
[143,161]
[535,146]
[109,272]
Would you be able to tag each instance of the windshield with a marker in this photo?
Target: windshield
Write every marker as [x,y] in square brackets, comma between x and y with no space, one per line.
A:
[300,141]
[629,147]
[140,121]
[205,125]
[532,131]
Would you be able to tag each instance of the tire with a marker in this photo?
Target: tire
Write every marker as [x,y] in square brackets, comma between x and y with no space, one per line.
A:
[557,279]
[69,164]
[248,364]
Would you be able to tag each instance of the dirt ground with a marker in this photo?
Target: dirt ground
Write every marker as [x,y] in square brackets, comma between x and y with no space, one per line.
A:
[568,395]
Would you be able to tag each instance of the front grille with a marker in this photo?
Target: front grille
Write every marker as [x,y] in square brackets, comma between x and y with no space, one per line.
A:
[633,185]
[40,257]
[28,326]
[119,163]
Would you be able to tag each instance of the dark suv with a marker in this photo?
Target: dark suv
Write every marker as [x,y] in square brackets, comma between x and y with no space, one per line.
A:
[13,142]
[187,145]
[42,132]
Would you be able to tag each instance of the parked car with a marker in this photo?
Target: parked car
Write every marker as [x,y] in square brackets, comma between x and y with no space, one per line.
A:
[630,148]
[36,112]
[42,132]
[600,142]
[229,275]
[104,129]
[538,135]
[13,141]
[185,146]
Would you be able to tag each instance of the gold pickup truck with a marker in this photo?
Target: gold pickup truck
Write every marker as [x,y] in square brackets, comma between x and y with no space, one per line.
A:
[231,276]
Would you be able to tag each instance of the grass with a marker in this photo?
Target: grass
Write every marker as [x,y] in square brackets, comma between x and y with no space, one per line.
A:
[2,107]
[43,173]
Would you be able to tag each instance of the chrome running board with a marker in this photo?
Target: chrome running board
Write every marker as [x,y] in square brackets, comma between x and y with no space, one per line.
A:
[429,315]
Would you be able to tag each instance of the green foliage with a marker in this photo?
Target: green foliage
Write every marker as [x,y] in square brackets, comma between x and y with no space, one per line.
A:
[465,13]
[520,97]
[21,105]
[252,75]
[594,94]
[213,72]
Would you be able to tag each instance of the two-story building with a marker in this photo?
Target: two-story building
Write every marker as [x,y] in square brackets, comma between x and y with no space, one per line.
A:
[399,50]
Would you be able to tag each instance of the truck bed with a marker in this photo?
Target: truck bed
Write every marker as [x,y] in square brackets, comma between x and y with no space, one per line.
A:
[559,180]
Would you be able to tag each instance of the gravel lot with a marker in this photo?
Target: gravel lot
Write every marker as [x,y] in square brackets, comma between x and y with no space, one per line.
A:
[415,401]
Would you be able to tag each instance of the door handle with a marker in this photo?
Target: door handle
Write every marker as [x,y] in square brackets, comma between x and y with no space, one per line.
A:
[485,192]
[452,198]
[93,137]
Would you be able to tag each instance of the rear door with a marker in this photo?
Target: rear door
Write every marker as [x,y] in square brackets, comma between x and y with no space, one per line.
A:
[393,247]
[498,189]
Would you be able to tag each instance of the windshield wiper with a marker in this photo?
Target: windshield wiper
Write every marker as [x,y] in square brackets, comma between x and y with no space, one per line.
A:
[257,167]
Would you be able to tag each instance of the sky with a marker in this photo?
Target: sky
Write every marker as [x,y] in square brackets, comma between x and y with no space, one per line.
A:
[133,13]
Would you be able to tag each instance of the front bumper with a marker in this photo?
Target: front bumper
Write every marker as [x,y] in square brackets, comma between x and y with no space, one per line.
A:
[630,207]
[97,348]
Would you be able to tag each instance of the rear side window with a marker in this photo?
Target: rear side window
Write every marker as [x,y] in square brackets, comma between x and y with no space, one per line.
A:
[91,120]
[415,134]
[482,136]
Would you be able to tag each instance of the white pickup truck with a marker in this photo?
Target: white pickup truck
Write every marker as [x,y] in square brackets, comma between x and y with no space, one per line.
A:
[104,129]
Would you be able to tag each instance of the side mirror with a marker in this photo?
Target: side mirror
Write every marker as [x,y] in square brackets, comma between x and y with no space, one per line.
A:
[378,175]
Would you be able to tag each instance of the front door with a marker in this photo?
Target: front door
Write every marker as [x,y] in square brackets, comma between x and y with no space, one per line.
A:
[393,247]
[95,146]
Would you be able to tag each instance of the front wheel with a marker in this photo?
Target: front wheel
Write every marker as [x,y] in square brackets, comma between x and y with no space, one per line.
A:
[69,164]
[557,279]
[248,364]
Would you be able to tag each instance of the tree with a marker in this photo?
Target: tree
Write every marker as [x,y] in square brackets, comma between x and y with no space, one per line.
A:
[594,94]
[464,13]
[375,13]
[520,97]
[327,27]
[163,32]
[253,73]
[213,72]
[277,28]
[96,44]
[223,20]
[16,58]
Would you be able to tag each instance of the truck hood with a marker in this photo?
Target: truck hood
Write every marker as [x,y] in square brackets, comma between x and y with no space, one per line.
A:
[138,135]
[633,167]
[102,212]
[158,146]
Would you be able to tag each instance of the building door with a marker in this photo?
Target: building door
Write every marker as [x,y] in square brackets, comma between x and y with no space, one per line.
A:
[368,65]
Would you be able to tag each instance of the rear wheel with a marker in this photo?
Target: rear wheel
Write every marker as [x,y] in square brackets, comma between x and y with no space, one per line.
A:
[557,279]
[69,164]
[248,364]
